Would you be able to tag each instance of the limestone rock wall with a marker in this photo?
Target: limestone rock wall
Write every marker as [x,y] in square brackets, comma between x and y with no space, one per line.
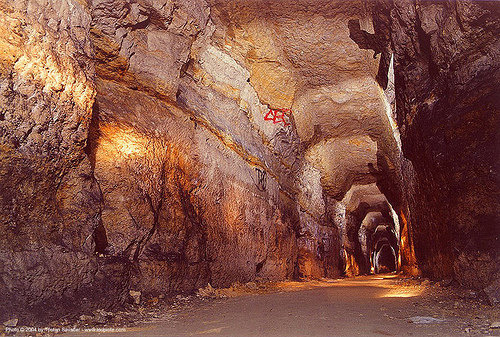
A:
[50,203]
[137,151]
[300,55]
[155,172]
[447,75]
[200,78]
[195,183]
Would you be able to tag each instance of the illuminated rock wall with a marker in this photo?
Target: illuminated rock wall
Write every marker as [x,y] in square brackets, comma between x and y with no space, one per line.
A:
[209,145]
[158,146]
[50,202]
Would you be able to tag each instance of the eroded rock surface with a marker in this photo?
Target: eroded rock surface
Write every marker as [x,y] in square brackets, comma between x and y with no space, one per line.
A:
[446,66]
[49,198]
[236,62]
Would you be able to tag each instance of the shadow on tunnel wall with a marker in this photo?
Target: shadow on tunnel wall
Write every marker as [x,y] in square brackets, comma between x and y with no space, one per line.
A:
[448,109]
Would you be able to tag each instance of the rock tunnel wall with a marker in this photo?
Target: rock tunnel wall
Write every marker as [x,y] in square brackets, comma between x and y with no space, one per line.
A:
[155,171]
[193,178]
[447,75]
[50,202]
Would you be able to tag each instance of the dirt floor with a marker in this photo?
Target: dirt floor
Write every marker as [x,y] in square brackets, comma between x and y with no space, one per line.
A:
[362,306]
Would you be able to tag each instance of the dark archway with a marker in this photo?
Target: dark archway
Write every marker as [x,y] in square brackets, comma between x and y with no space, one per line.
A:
[367,209]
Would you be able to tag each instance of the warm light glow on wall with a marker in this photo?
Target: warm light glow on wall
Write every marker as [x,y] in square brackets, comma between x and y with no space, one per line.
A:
[55,72]
[145,154]
[406,252]
[405,223]
[351,267]
[403,239]
[124,140]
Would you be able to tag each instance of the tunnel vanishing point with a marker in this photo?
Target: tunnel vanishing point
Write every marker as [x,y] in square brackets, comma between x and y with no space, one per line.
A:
[162,145]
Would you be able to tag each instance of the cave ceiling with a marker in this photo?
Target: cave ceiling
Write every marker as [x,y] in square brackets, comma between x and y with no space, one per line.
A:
[368,194]
[286,55]
[300,57]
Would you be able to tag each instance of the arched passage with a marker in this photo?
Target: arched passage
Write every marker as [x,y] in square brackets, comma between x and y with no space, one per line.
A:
[384,249]
[180,164]
[366,208]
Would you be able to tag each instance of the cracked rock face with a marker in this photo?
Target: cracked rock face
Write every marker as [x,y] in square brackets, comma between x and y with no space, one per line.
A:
[449,122]
[156,146]
[50,201]
[224,76]
[187,165]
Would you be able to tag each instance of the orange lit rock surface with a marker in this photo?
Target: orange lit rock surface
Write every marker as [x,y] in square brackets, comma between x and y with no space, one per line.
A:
[50,202]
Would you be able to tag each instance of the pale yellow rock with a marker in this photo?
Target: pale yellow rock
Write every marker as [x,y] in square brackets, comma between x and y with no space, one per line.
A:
[343,161]
[355,106]
[311,191]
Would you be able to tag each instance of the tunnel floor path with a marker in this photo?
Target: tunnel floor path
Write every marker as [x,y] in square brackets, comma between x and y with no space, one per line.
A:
[363,306]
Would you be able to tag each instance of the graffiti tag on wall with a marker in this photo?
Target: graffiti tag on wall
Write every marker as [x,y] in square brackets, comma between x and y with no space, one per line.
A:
[278,116]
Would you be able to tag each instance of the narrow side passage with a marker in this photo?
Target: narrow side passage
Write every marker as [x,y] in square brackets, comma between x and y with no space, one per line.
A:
[360,306]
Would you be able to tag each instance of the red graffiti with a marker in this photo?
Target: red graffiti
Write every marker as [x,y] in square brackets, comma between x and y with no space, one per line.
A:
[278,116]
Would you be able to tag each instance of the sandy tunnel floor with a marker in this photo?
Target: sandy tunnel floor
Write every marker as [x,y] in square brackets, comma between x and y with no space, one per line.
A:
[362,306]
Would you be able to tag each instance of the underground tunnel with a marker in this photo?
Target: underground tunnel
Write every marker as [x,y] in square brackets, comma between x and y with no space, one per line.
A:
[158,147]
